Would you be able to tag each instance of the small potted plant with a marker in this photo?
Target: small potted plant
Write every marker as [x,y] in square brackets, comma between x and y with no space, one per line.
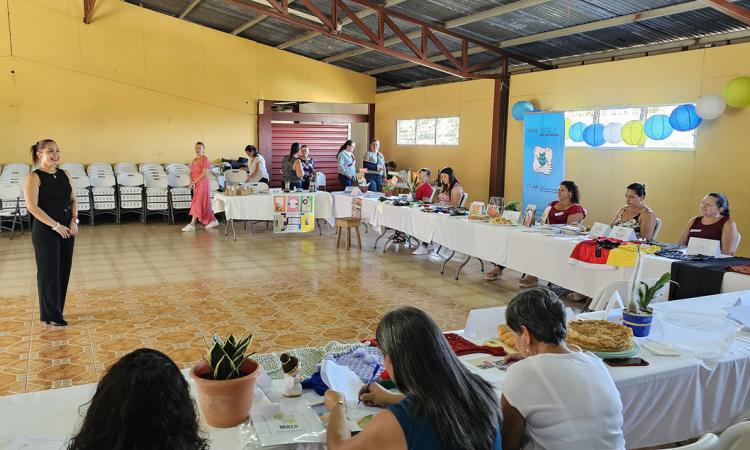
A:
[638,315]
[225,380]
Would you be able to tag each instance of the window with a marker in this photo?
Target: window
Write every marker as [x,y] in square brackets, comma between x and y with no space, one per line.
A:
[678,140]
[433,131]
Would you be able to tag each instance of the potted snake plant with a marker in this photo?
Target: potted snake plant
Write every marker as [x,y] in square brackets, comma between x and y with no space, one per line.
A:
[225,381]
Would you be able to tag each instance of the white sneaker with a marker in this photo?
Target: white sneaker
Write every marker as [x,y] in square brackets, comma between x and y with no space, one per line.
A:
[421,250]
[188,227]
[213,224]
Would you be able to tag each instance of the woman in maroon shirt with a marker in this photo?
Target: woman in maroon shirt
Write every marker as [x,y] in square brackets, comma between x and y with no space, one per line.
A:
[565,210]
[424,189]
[714,223]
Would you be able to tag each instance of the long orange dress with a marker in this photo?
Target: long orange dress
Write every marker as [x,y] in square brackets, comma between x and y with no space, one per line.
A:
[201,204]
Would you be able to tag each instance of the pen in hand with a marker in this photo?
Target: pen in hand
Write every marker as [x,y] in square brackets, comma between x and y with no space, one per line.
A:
[366,388]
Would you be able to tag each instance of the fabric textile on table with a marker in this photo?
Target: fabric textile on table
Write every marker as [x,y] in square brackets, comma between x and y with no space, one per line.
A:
[700,278]
[309,358]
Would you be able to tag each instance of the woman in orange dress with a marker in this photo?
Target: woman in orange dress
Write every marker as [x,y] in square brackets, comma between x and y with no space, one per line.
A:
[200,208]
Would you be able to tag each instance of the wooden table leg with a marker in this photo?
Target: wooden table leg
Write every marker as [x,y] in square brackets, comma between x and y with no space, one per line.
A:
[338,237]
[348,238]
[359,239]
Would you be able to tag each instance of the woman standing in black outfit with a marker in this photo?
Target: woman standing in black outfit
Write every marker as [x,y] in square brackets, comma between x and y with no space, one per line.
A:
[51,200]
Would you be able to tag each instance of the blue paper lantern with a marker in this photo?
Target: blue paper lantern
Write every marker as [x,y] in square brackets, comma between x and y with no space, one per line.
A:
[521,108]
[684,118]
[657,127]
[594,135]
[576,131]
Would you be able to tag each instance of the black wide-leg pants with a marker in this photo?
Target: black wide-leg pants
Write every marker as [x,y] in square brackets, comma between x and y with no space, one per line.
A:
[54,259]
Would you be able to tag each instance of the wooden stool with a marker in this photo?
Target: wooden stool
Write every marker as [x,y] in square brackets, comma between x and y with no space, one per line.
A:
[347,223]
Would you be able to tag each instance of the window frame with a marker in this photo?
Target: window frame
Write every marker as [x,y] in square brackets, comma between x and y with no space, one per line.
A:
[434,143]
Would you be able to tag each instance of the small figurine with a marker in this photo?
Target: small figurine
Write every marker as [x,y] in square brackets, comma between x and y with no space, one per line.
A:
[292,380]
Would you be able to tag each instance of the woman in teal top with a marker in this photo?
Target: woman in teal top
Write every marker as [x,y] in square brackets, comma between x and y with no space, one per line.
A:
[443,406]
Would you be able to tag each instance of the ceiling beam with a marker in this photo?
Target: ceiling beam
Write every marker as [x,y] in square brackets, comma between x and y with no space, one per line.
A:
[607,56]
[577,29]
[482,15]
[374,39]
[251,23]
[88,10]
[736,12]
[188,8]
[346,21]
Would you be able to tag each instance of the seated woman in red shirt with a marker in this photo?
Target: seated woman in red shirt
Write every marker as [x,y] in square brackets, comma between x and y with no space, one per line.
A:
[565,210]
[714,223]
[424,189]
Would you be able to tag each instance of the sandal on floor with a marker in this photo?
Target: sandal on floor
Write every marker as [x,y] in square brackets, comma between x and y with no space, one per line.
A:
[527,284]
[492,275]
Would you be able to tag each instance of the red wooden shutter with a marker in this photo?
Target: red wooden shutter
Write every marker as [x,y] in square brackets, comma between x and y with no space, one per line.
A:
[323,141]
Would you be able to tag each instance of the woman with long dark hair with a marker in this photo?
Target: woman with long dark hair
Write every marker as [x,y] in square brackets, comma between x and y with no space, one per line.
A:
[554,396]
[636,214]
[142,402]
[451,193]
[291,168]
[51,200]
[714,223]
[442,405]
[347,164]
[256,164]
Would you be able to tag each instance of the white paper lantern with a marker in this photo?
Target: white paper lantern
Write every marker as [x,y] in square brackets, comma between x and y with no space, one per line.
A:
[613,133]
[710,107]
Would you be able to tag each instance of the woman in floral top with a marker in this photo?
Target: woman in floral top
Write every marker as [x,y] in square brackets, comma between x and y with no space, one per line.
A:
[308,166]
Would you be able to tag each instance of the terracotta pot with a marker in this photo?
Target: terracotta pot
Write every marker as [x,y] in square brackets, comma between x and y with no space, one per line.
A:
[225,403]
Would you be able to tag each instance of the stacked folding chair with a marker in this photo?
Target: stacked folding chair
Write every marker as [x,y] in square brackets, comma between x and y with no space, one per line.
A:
[130,190]
[180,195]
[103,190]
[82,188]
[12,204]
[157,190]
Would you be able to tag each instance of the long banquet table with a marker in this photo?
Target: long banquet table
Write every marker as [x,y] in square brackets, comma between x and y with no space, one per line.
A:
[519,248]
[672,399]
[259,207]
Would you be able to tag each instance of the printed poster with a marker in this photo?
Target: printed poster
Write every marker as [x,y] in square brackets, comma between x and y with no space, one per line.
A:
[543,158]
[294,213]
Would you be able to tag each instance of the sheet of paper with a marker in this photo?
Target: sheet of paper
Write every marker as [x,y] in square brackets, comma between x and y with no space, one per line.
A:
[482,323]
[288,426]
[341,379]
[37,443]
[741,314]
[744,299]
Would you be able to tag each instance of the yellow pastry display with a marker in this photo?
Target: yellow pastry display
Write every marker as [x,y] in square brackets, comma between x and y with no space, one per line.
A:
[479,217]
[500,221]
[600,336]
[506,335]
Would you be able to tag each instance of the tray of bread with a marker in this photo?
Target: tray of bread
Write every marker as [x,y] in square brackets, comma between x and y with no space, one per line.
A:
[480,217]
[501,221]
[601,337]
[506,335]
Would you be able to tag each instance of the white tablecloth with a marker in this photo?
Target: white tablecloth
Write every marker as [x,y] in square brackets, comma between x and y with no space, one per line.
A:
[260,206]
[675,398]
[672,399]
[538,254]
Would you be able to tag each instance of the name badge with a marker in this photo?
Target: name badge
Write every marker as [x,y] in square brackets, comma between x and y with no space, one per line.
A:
[706,247]
[695,230]
[560,213]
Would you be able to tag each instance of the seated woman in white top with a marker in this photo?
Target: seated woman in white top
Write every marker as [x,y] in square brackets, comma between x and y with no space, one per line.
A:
[256,164]
[636,214]
[555,397]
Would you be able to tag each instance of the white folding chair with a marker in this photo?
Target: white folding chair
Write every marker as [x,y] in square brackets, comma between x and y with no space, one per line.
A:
[601,301]
[320,181]
[17,167]
[464,198]
[235,176]
[99,167]
[180,195]
[130,194]
[73,167]
[157,195]
[10,207]
[708,441]
[657,228]
[82,186]
[150,166]
[125,167]
[103,193]
[736,437]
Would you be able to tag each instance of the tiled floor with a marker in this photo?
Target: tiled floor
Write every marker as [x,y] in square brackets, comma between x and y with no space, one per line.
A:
[137,285]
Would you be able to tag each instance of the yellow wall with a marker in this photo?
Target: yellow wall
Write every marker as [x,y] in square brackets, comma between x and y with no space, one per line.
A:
[472,102]
[138,85]
[676,180]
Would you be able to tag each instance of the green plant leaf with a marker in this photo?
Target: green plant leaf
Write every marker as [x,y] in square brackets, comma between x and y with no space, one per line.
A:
[242,346]
[214,355]
[217,339]
[225,369]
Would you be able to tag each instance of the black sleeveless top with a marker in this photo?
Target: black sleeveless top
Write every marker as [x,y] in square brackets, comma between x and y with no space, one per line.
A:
[54,195]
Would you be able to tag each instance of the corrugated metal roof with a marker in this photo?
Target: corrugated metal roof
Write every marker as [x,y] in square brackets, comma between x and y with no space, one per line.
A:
[549,16]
